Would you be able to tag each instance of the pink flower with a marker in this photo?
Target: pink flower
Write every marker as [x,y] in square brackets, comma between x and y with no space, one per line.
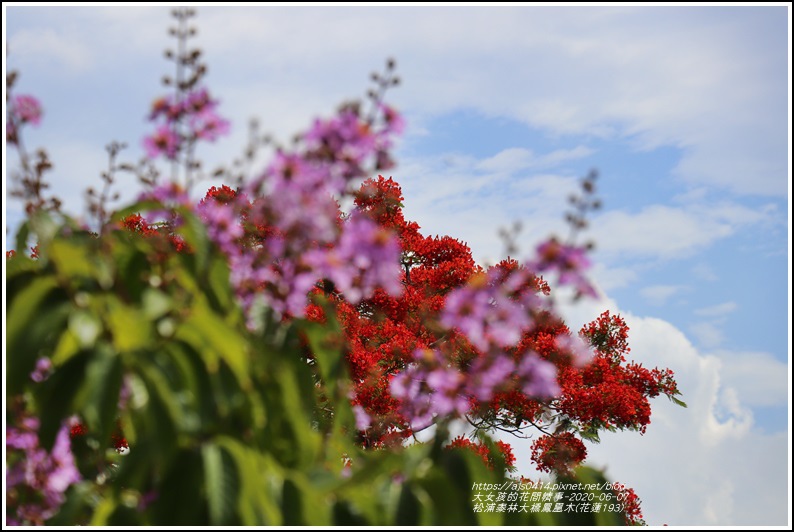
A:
[539,377]
[163,141]
[569,262]
[47,474]
[395,124]
[223,226]
[27,109]
[366,257]
[42,371]
[198,102]
[208,125]
[161,106]
[485,314]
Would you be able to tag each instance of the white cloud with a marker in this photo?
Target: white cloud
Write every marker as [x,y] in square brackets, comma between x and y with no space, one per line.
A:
[47,44]
[513,160]
[711,82]
[707,464]
[758,378]
[667,88]
[659,294]
[608,278]
[704,272]
[717,310]
[708,333]
[563,70]
[470,199]
[509,160]
[667,232]
[558,156]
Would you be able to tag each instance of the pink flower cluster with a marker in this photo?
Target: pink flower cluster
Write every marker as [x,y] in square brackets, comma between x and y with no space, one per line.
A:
[302,237]
[493,313]
[366,256]
[568,261]
[431,389]
[22,109]
[486,314]
[38,480]
[197,110]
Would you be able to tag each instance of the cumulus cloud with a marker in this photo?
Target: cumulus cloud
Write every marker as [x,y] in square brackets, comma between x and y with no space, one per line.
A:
[758,378]
[708,333]
[708,464]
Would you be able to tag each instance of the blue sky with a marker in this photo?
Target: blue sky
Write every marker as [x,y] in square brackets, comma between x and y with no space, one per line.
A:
[683,110]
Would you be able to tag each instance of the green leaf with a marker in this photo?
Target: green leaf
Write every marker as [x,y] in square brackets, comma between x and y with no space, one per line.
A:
[408,508]
[197,382]
[195,234]
[210,335]
[163,412]
[84,327]
[218,280]
[103,512]
[345,515]
[130,264]
[288,431]
[20,264]
[67,347]
[70,258]
[677,401]
[179,495]
[590,433]
[35,320]
[292,504]
[98,401]
[23,234]
[451,501]
[155,303]
[327,345]
[55,396]
[221,484]
[259,483]
[590,481]
[128,325]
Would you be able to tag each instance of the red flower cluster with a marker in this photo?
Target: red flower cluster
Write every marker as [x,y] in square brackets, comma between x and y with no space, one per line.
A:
[608,393]
[631,504]
[224,195]
[558,453]
[117,439]
[485,454]
[135,223]
[78,429]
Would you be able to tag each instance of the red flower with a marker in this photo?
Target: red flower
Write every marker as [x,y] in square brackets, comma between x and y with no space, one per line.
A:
[558,453]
